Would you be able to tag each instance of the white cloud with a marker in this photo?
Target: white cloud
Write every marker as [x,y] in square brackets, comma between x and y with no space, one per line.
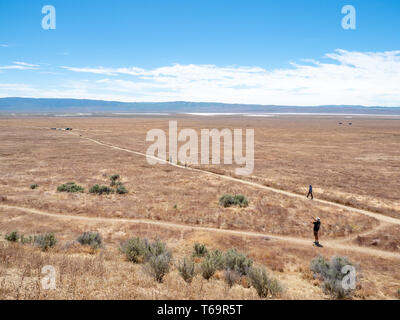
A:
[341,77]
[18,65]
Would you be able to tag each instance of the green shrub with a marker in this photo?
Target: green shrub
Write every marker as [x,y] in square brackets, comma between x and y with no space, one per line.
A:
[92,239]
[134,249]
[218,259]
[121,189]
[34,186]
[208,267]
[159,265]
[114,179]
[96,189]
[264,285]
[237,261]
[187,270]
[231,277]
[26,240]
[241,201]
[70,187]
[153,249]
[12,236]
[200,250]
[332,276]
[45,241]
[228,200]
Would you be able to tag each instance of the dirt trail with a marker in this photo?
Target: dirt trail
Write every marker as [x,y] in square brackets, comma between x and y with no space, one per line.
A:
[377,216]
[332,244]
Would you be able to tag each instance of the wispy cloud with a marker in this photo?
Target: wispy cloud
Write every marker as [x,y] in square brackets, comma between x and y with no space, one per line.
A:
[18,65]
[341,77]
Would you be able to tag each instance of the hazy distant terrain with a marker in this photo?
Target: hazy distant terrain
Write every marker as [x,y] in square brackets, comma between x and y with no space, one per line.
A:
[31,105]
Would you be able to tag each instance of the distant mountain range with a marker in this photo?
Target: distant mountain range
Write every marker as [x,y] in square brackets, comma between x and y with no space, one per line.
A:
[32,105]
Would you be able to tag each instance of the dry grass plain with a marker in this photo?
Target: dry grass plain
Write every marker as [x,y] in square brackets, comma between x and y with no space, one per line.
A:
[355,165]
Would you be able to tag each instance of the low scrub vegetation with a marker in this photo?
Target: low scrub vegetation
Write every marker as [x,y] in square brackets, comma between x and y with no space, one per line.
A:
[237,261]
[330,272]
[200,250]
[114,179]
[158,265]
[231,277]
[34,186]
[120,188]
[218,259]
[92,239]
[12,236]
[70,187]
[187,269]
[45,241]
[228,200]
[208,267]
[97,189]
[157,261]
[265,286]
[134,250]
[154,254]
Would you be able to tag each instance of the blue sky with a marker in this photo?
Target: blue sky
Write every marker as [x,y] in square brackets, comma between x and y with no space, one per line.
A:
[271,52]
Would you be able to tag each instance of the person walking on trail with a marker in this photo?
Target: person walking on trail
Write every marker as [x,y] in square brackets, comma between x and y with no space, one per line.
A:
[317,225]
[310,192]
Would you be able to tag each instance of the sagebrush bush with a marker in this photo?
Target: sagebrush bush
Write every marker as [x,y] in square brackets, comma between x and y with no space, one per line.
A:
[237,261]
[265,286]
[241,200]
[70,187]
[187,269]
[114,179]
[141,250]
[332,276]
[218,259]
[228,200]
[34,186]
[45,241]
[155,248]
[97,189]
[200,250]
[231,277]
[208,267]
[159,265]
[12,236]
[121,189]
[25,240]
[92,239]
[134,249]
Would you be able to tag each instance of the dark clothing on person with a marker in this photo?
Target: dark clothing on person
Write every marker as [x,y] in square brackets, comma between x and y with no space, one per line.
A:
[317,225]
[310,192]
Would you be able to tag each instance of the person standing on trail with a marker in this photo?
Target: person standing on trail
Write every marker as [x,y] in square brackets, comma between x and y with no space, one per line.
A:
[310,192]
[317,225]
